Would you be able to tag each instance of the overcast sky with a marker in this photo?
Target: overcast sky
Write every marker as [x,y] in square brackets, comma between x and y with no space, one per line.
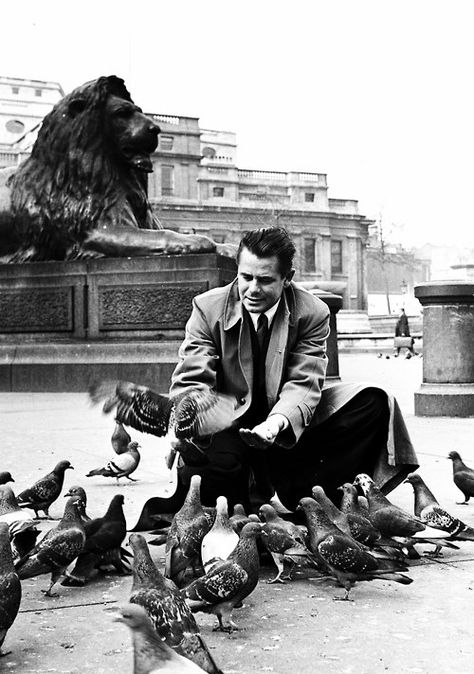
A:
[377,94]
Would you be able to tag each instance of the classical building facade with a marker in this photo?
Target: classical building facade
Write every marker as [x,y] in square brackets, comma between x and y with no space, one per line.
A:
[197,186]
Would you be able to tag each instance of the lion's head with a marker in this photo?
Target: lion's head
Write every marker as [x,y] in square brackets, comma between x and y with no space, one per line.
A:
[87,168]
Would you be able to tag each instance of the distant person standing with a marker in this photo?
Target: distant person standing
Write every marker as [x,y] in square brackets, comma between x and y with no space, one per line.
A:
[402,329]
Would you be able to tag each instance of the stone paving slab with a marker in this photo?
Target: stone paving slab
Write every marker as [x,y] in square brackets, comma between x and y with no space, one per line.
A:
[424,627]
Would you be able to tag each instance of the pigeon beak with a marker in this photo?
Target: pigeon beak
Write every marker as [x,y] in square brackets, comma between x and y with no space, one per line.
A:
[70,468]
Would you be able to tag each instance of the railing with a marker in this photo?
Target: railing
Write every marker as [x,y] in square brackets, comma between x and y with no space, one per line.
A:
[276,176]
[167,119]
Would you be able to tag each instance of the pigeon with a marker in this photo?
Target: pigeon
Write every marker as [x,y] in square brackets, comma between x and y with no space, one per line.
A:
[221,538]
[284,541]
[395,522]
[192,414]
[336,516]
[432,514]
[150,653]
[5,477]
[76,490]
[22,527]
[104,537]
[227,584]
[10,586]
[240,517]
[342,557]
[463,477]
[122,466]
[120,438]
[189,526]
[170,616]
[45,491]
[57,549]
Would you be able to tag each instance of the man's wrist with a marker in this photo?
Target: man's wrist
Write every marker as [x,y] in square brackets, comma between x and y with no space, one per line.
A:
[281,421]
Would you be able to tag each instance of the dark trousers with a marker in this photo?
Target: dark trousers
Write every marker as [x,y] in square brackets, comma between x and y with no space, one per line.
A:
[334,452]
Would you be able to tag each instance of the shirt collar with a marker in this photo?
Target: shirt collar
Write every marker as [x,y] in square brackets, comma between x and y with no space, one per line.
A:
[269,313]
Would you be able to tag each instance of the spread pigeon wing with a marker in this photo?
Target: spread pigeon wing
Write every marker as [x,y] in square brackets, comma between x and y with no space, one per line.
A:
[198,413]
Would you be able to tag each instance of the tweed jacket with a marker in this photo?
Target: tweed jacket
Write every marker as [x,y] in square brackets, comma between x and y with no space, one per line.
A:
[217,353]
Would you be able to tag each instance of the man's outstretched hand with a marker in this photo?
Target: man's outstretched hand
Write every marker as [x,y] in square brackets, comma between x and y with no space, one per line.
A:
[264,435]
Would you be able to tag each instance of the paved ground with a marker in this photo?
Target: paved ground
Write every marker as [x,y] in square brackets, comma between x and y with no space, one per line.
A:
[425,627]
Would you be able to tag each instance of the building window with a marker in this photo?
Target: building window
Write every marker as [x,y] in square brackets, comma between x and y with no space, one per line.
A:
[309,197]
[167,180]
[217,191]
[310,255]
[336,257]
[15,90]
[166,143]
[38,92]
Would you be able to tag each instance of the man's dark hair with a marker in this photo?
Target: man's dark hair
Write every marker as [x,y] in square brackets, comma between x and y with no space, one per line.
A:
[270,241]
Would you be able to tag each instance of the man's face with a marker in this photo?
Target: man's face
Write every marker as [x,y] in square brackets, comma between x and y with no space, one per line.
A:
[260,282]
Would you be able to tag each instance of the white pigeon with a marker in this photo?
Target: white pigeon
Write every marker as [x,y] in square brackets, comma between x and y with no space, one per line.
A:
[221,539]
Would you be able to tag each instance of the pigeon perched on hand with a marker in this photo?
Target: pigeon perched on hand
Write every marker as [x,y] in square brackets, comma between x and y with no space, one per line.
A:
[433,515]
[57,549]
[463,477]
[221,538]
[170,616]
[120,438]
[150,653]
[45,491]
[284,541]
[189,526]
[10,586]
[395,522]
[22,527]
[341,556]
[227,584]
[121,466]
[104,537]
[80,492]
[191,414]
[5,477]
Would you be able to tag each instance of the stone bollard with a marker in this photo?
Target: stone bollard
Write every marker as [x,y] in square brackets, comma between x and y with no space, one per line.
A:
[448,349]
[334,303]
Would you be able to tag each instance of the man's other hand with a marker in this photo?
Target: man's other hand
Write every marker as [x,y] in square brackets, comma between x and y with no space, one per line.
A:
[191,454]
[264,435]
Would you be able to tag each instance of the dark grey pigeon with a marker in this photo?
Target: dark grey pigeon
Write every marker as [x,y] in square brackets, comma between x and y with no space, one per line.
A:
[10,586]
[463,476]
[45,491]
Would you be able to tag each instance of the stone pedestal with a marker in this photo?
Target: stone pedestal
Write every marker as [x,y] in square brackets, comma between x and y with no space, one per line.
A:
[334,303]
[448,349]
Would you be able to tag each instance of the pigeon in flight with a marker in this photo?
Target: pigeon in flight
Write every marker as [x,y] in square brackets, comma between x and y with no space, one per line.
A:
[10,586]
[150,653]
[120,438]
[463,476]
[45,491]
[192,414]
[171,617]
[122,465]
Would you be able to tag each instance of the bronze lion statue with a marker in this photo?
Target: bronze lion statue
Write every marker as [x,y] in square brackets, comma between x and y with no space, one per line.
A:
[83,191]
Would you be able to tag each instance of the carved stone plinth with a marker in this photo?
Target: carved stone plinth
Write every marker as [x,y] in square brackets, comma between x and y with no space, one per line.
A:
[448,353]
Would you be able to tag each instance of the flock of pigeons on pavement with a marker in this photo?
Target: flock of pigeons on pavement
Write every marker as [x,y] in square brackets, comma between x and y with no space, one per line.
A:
[212,560]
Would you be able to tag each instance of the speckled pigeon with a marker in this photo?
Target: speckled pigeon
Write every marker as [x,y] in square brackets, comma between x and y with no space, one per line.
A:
[104,537]
[284,541]
[76,490]
[120,438]
[122,465]
[150,653]
[189,526]
[227,584]
[22,527]
[432,514]
[342,557]
[221,538]
[10,586]
[171,617]
[463,476]
[57,549]
[45,491]
[395,522]
[5,477]
[192,414]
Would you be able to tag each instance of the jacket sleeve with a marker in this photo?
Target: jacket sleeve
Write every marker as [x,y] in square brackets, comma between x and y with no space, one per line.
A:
[304,376]
[197,356]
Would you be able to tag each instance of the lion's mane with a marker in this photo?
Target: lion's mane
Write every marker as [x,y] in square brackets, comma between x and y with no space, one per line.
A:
[75,179]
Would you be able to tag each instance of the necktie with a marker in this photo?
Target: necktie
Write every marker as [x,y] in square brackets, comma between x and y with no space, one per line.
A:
[262,329]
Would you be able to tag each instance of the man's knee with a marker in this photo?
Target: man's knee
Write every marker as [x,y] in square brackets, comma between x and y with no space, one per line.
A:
[373,403]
